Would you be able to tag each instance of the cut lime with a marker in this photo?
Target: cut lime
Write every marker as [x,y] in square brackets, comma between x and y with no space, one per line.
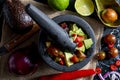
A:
[59,4]
[84,7]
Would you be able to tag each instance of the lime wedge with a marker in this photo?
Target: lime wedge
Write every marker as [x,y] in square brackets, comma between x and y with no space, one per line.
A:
[84,7]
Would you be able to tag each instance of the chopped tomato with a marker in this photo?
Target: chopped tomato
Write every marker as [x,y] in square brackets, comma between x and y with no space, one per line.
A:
[113,67]
[80,44]
[117,63]
[74,35]
[53,51]
[61,55]
[74,59]
[64,25]
[80,55]
[61,62]
[79,39]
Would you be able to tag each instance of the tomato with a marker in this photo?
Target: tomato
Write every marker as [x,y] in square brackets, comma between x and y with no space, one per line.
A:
[64,25]
[61,62]
[74,35]
[117,63]
[113,67]
[109,15]
[61,54]
[80,55]
[80,44]
[74,59]
[79,39]
[110,39]
[101,55]
[113,52]
[53,51]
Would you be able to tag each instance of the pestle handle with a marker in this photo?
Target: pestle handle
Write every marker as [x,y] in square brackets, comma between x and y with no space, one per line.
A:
[51,27]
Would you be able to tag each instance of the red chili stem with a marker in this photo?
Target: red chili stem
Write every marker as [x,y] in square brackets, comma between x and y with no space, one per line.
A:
[68,75]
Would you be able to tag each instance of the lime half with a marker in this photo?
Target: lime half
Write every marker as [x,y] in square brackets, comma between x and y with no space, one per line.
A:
[84,7]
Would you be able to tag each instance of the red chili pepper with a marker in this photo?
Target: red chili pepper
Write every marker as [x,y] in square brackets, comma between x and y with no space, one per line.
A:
[68,75]
[113,67]
[98,70]
[117,63]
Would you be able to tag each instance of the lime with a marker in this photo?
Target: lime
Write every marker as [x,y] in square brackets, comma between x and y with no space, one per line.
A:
[59,4]
[84,7]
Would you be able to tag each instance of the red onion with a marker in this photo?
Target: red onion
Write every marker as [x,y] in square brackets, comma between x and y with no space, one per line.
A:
[101,77]
[112,72]
[20,63]
[106,75]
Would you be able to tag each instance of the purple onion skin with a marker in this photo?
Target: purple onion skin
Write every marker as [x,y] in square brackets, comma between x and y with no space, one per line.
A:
[20,63]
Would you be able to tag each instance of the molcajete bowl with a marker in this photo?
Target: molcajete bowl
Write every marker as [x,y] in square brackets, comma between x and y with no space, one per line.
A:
[89,52]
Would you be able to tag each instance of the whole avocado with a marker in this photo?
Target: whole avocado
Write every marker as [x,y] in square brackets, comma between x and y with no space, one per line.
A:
[16,17]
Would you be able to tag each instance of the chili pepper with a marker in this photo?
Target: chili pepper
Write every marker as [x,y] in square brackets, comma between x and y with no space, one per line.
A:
[98,70]
[68,75]
[117,63]
[113,67]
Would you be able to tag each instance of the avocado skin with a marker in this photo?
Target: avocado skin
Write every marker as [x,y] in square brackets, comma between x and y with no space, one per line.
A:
[16,17]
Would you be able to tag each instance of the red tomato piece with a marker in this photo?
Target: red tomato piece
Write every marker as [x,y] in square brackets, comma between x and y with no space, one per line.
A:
[98,70]
[113,67]
[61,55]
[74,59]
[53,51]
[117,63]
[79,39]
[64,25]
[80,44]
[61,62]
[74,35]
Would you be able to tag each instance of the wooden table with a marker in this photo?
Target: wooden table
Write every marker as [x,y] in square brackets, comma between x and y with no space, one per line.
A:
[43,69]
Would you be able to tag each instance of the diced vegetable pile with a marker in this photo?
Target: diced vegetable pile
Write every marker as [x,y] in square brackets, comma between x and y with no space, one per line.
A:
[65,57]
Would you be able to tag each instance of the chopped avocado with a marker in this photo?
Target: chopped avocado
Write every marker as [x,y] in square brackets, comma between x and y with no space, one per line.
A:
[82,48]
[88,43]
[76,30]
[74,27]
[71,33]
[68,55]
[80,32]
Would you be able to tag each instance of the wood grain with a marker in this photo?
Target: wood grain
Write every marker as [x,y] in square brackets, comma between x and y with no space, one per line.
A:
[43,69]
[21,38]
